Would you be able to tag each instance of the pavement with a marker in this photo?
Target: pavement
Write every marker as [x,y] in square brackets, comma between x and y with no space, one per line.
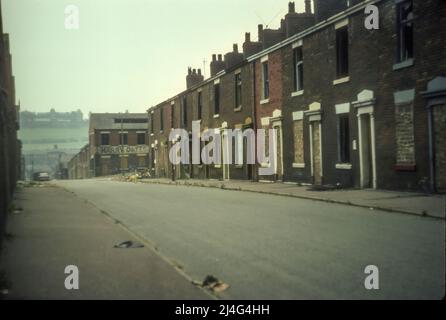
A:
[393,201]
[52,228]
[271,247]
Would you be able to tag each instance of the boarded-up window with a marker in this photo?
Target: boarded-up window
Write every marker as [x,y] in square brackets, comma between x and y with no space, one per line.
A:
[298,132]
[405,141]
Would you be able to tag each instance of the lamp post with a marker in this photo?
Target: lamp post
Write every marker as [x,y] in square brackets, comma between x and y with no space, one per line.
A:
[121,138]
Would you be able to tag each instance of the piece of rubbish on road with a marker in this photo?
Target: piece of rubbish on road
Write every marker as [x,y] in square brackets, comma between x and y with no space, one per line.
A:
[128,244]
[213,284]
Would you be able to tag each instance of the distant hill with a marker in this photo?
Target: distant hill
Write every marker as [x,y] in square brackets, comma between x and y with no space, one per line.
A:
[52,119]
[45,139]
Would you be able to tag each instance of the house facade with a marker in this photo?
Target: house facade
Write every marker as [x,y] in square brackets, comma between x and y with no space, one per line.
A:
[118,143]
[352,106]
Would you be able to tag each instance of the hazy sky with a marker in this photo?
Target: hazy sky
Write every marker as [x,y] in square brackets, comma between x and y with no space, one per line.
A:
[127,54]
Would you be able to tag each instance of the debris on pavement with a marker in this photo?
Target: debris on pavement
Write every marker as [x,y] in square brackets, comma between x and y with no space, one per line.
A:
[212,283]
[128,244]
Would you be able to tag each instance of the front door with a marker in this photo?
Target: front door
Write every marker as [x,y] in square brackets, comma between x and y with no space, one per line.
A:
[225,156]
[279,174]
[105,167]
[365,147]
[439,124]
[316,159]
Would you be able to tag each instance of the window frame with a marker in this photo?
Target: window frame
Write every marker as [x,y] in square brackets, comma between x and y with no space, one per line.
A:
[217,98]
[184,111]
[342,52]
[124,138]
[343,137]
[298,84]
[238,91]
[265,80]
[138,135]
[102,139]
[199,105]
[401,24]
[161,119]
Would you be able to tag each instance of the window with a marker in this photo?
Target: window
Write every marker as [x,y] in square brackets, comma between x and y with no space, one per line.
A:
[342,52]
[405,30]
[298,69]
[105,139]
[151,123]
[123,139]
[265,91]
[172,115]
[161,119]
[343,139]
[131,120]
[184,111]
[199,105]
[216,98]
[141,138]
[238,90]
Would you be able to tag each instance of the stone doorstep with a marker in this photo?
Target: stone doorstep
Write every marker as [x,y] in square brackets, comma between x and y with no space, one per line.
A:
[239,186]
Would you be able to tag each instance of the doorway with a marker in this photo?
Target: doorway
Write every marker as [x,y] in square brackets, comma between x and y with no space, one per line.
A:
[105,166]
[439,128]
[225,156]
[366,138]
[316,152]
[279,173]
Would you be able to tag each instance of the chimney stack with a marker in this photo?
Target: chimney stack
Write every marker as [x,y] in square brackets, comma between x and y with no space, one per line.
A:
[260,29]
[217,64]
[193,78]
[291,7]
[247,37]
[308,6]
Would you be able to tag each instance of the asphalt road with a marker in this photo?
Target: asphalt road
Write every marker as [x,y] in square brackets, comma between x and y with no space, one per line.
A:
[273,247]
[56,229]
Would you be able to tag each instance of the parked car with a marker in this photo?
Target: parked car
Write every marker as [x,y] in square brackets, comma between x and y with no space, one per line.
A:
[41,176]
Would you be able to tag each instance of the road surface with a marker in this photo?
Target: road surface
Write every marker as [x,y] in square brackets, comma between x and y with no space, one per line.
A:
[273,247]
[56,229]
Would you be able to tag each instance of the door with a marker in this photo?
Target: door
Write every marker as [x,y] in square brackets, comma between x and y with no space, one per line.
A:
[225,156]
[124,163]
[105,167]
[279,173]
[316,158]
[366,151]
[439,123]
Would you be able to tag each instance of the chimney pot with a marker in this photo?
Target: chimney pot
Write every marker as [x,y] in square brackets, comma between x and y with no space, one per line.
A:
[194,71]
[220,58]
[235,47]
[247,37]
[260,29]
[308,6]
[199,72]
[291,7]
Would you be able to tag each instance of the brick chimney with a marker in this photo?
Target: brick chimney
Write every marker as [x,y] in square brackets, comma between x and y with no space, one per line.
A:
[193,77]
[217,64]
[308,6]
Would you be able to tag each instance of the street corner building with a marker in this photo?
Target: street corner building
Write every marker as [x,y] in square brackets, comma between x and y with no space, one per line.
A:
[117,144]
[10,146]
[352,106]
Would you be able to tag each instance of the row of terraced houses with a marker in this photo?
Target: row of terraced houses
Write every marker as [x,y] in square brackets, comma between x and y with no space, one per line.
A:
[352,106]
[10,146]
